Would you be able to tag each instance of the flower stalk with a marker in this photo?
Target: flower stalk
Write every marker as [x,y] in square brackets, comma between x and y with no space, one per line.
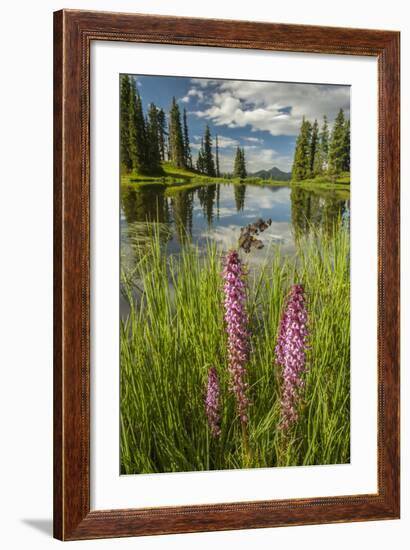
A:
[291,354]
[212,403]
[237,322]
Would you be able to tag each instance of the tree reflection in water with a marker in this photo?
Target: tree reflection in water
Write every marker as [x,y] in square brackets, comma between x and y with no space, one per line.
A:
[187,213]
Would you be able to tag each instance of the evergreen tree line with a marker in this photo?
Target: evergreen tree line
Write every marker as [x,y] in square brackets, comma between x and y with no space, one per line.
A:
[320,152]
[142,137]
[146,141]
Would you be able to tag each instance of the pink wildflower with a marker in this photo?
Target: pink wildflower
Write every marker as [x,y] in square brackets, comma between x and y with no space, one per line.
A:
[237,328]
[212,402]
[291,354]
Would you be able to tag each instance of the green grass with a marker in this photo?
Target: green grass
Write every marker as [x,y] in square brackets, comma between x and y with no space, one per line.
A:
[340,182]
[172,176]
[182,178]
[175,332]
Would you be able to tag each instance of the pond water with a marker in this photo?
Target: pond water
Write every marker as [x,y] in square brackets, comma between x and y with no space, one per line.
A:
[218,211]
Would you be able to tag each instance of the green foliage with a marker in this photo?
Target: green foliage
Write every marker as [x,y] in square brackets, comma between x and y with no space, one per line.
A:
[200,166]
[346,147]
[208,157]
[153,143]
[324,142]
[314,147]
[205,163]
[301,168]
[239,167]
[146,143]
[161,133]
[143,140]
[124,121]
[187,148]
[321,157]
[176,139]
[339,147]
[175,332]
[316,154]
[134,151]
[217,171]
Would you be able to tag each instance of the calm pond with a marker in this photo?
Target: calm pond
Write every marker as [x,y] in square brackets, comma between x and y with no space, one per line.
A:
[218,211]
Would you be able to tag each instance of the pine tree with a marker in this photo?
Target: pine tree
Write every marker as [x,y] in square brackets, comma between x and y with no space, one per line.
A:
[136,129]
[126,161]
[314,148]
[301,161]
[324,143]
[217,172]
[199,162]
[321,158]
[208,158]
[346,147]
[187,148]
[237,163]
[153,146]
[243,164]
[239,168]
[176,140]
[337,144]
[200,159]
[132,129]
[161,133]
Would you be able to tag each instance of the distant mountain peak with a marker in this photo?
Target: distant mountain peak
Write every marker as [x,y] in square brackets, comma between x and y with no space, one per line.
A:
[273,173]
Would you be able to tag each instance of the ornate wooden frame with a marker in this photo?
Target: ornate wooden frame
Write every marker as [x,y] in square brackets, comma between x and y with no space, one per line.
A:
[73,33]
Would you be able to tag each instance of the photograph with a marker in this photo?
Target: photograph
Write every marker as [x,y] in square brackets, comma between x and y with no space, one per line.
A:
[235,274]
[226,274]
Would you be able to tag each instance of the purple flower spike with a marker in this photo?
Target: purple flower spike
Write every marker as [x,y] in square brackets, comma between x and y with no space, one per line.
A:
[212,402]
[291,354]
[237,328]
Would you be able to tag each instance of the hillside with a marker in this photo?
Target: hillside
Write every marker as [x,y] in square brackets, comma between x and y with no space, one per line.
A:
[273,174]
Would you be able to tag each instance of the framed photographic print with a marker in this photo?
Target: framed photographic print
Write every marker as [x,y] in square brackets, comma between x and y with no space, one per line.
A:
[226,333]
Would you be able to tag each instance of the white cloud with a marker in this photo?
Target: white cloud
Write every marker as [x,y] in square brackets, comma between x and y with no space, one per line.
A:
[275,107]
[224,142]
[253,139]
[193,92]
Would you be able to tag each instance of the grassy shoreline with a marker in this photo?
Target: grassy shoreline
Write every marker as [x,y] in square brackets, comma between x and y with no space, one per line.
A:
[181,178]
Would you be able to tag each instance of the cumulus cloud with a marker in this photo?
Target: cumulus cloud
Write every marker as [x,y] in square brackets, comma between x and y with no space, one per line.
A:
[225,142]
[253,139]
[271,106]
[193,92]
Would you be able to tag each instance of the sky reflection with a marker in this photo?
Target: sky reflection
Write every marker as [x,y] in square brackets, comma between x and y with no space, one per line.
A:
[217,212]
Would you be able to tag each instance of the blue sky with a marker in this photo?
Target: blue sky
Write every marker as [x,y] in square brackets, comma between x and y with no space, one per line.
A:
[262,117]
